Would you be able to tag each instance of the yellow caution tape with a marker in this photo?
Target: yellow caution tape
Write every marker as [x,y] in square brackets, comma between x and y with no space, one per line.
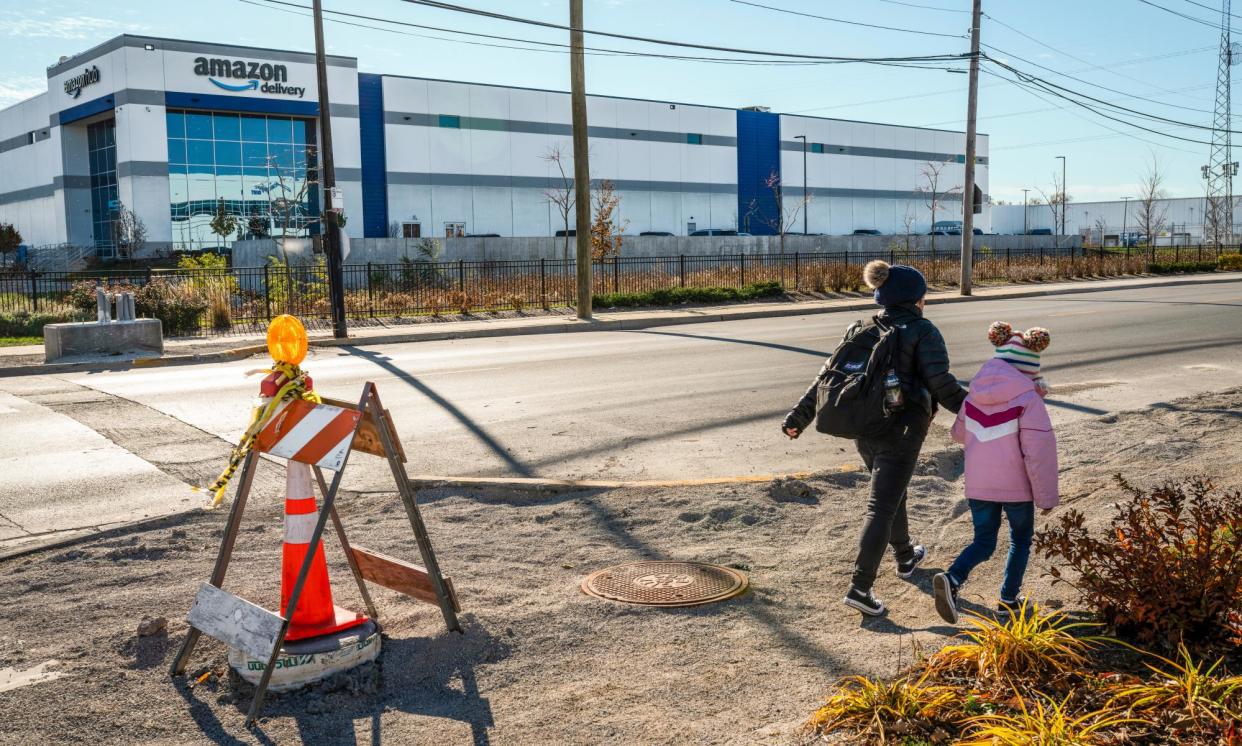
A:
[293,388]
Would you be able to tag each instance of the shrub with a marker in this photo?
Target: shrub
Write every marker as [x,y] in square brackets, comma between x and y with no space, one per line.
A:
[462,301]
[1169,268]
[1184,689]
[179,306]
[1053,723]
[879,710]
[516,301]
[1025,643]
[1229,262]
[1167,569]
[679,295]
[27,324]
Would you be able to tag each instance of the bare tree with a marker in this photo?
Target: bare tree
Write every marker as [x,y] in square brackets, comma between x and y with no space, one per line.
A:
[561,197]
[1056,201]
[787,211]
[1152,208]
[907,224]
[1216,221]
[288,201]
[932,193]
[1101,225]
[129,233]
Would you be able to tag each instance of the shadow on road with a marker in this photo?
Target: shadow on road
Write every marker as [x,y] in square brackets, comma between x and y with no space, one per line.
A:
[708,338]
[476,429]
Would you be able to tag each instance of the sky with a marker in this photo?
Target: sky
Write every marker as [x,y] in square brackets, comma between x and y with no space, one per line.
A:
[1127,52]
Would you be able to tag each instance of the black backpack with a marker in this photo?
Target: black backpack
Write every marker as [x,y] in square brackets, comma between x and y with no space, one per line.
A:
[850,394]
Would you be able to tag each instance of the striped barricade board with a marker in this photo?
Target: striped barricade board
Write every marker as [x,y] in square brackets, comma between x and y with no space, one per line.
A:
[317,434]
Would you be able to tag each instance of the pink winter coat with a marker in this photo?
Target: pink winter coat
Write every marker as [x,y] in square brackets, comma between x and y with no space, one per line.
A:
[1011,451]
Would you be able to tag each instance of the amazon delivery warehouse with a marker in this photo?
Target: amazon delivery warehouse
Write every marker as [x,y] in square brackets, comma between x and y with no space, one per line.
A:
[173,131]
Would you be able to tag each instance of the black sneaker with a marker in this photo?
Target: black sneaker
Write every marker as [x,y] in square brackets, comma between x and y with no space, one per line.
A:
[1011,607]
[946,597]
[864,601]
[905,570]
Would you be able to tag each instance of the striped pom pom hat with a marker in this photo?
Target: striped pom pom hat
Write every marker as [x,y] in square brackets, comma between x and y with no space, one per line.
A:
[1019,349]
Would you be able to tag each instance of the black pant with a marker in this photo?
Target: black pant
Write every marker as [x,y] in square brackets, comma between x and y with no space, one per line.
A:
[891,459]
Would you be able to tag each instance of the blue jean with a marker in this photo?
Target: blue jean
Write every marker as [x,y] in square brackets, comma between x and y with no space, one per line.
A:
[986,516]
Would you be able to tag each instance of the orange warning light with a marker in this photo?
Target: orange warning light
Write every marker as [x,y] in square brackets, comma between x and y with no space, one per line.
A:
[286,340]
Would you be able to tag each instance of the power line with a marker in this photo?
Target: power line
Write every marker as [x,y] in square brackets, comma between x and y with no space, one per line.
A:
[926,7]
[669,42]
[1179,14]
[1209,7]
[556,48]
[1076,58]
[842,20]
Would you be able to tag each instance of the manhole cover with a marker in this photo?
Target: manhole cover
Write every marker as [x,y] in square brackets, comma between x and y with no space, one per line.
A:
[665,583]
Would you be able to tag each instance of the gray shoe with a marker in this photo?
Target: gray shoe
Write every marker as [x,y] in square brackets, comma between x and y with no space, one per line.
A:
[946,597]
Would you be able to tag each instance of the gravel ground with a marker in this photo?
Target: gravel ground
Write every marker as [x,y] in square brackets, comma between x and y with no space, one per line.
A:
[541,663]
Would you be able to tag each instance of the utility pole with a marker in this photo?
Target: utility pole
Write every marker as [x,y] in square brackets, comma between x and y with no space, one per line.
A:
[582,167]
[968,189]
[806,204]
[327,179]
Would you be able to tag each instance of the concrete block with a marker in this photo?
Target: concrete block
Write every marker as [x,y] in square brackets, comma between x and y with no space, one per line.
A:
[92,338]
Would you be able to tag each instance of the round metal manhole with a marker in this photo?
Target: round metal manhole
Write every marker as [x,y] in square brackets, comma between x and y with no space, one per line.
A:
[666,583]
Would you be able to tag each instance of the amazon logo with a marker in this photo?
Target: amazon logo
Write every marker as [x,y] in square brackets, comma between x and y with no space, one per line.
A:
[263,77]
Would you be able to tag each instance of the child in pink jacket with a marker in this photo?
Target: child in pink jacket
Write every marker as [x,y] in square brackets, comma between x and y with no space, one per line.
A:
[1011,462]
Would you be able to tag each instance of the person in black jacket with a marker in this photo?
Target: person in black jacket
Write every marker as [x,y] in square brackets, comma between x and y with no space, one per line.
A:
[922,365]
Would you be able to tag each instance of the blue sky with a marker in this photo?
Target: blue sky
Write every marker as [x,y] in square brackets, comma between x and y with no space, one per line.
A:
[1152,60]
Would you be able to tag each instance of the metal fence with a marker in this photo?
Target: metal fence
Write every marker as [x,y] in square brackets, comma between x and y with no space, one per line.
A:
[239,299]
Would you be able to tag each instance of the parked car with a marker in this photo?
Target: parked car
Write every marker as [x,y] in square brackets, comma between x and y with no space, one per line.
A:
[800,233]
[1039,232]
[719,232]
[867,232]
[950,227]
[562,233]
[482,235]
[939,233]
[654,233]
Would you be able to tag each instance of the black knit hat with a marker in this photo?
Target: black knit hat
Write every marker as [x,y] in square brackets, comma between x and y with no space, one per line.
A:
[894,284]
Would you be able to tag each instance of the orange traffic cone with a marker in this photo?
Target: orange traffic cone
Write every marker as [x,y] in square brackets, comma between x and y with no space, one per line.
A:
[315,613]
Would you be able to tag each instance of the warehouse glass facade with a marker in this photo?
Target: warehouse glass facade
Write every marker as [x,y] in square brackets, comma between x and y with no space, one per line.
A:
[101,150]
[260,169]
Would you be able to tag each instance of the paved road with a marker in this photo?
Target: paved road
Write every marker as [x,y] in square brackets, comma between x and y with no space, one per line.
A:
[674,402]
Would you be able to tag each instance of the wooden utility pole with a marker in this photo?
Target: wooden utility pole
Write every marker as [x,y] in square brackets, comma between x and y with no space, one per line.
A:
[968,189]
[582,166]
[327,179]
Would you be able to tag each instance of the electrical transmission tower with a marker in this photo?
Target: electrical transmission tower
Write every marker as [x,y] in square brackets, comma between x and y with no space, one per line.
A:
[1221,168]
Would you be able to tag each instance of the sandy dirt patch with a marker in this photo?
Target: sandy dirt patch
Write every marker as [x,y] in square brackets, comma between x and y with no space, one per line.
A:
[541,663]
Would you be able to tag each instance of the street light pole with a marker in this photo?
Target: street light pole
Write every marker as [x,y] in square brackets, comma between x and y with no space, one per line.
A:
[1064,194]
[968,186]
[806,205]
[1125,216]
[327,171]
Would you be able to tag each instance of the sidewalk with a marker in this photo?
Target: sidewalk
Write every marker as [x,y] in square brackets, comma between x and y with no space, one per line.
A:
[28,359]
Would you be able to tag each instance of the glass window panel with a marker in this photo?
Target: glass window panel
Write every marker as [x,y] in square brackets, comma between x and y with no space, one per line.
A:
[176,151]
[230,187]
[198,126]
[109,159]
[227,126]
[280,130]
[282,157]
[176,123]
[198,151]
[299,158]
[228,153]
[109,134]
[177,168]
[201,169]
[254,154]
[228,170]
[254,129]
[299,131]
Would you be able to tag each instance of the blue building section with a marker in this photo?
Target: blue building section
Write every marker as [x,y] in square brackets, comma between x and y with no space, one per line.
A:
[374,160]
[758,159]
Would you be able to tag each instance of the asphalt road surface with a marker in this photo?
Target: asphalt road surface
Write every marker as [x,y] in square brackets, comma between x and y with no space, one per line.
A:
[701,400]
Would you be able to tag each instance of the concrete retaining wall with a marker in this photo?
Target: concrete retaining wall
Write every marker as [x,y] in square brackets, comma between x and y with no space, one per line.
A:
[253,253]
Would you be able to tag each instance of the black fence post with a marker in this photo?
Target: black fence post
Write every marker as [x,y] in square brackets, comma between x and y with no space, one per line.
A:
[616,274]
[1200,253]
[267,293]
[1177,253]
[543,280]
[891,257]
[1041,255]
[147,279]
[1008,260]
[741,264]
[797,271]
[34,290]
[370,297]
[681,268]
[461,275]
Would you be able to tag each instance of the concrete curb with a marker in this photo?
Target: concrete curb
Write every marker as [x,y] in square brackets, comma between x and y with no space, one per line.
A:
[75,536]
[651,320]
